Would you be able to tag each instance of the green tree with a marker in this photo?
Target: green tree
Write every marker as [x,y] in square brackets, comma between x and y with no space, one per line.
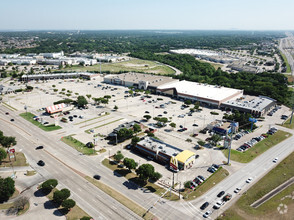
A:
[81,101]
[145,171]
[107,97]
[135,140]
[3,154]
[68,204]
[215,138]
[89,96]
[137,128]
[147,117]
[118,156]
[188,102]
[7,188]
[115,107]
[156,176]
[60,196]
[173,125]
[48,185]
[8,141]
[130,163]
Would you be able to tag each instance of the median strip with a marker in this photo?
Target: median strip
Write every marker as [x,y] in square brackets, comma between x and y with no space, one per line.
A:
[88,131]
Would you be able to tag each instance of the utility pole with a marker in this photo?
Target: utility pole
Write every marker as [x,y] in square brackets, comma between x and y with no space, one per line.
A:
[292,114]
[231,139]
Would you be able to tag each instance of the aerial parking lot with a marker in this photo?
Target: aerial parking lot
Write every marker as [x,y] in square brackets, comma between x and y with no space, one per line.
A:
[96,122]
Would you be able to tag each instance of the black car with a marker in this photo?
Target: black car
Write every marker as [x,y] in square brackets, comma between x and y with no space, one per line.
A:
[220,194]
[215,166]
[97,177]
[146,112]
[204,205]
[12,119]
[41,163]
[75,116]
[201,177]
[39,147]
[7,113]
[195,125]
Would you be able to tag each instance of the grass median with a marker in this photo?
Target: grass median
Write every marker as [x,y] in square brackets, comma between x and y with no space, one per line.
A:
[215,178]
[130,204]
[79,146]
[134,178]
[18,161]
[268,210]
[88,131]
[287,124]
[287,63]
[29,117]
[258,149]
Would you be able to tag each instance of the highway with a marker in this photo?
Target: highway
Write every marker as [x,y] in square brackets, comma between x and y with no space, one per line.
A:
[61,161]
[287,47]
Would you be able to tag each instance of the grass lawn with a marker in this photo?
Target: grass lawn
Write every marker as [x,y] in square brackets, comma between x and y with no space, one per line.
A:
[88,131]
[19,162]
[134,178]
[130,204]
[135,65]
[268,210]
[288,125]
[215,178]
[29,116]
[31,173]
[75,213]
[259,148]
[6,205]
[287,64]
[79,146]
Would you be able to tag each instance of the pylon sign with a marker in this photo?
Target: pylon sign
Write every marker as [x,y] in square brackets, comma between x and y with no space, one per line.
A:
[173,163]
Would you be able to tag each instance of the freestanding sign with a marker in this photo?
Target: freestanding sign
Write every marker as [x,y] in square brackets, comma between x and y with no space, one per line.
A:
[173,164]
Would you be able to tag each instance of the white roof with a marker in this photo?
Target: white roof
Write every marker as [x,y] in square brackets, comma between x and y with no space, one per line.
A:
[200,90]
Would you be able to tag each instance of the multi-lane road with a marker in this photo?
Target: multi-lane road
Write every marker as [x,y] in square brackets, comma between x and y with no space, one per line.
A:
[287,47]
[62,161]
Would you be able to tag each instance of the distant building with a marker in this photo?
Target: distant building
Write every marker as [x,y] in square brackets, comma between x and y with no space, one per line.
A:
[58,76]
[257,107]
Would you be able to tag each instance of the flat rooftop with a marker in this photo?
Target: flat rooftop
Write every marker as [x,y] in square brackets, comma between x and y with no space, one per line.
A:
[258,103]
[154,80]
[156,145]
[200,90]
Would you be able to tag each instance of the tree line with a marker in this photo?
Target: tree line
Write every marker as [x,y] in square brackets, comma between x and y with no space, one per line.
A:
[273,85]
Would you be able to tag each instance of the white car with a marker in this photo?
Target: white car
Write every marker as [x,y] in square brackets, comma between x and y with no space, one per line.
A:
[275,160]
[249,180]
[218,204]
[206,214]
[238,189]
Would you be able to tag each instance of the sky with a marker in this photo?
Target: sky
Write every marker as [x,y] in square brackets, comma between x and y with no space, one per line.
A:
[147,14]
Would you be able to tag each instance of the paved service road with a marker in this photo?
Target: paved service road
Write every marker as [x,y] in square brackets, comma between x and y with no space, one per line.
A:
[255,169]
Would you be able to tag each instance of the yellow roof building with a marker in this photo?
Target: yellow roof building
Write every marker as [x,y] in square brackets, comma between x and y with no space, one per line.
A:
[184,156]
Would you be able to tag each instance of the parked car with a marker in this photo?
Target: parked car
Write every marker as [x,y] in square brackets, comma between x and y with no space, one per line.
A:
[218,204]
[220,194]
[238,189]
[204,205]
[206,214]
[227,197]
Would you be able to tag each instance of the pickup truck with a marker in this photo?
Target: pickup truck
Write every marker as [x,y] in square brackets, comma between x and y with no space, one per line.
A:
[227,197]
